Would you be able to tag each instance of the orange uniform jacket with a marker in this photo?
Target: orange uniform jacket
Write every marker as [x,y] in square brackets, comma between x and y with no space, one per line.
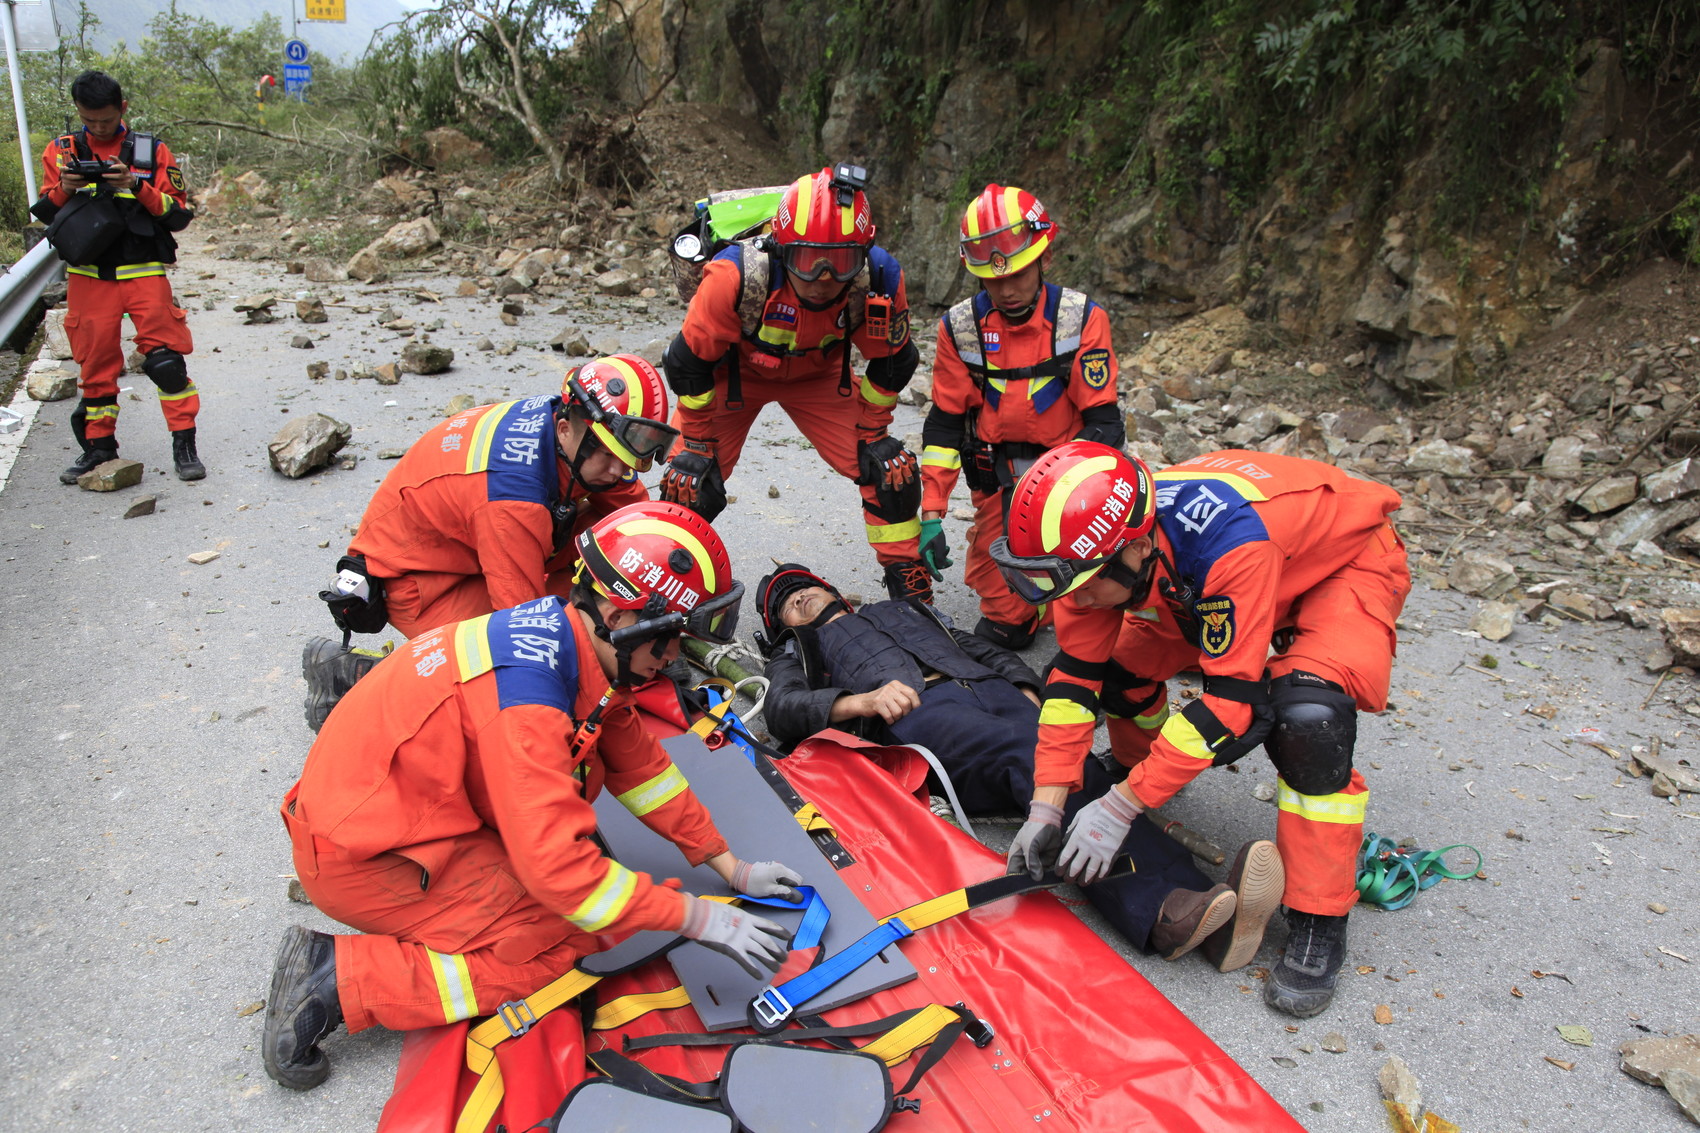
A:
[1251,533]
[466,728]
[712,326]
[1044,411]
[477,496]
[158,190]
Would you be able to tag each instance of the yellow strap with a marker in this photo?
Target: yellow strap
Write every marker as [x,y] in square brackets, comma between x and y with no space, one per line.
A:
[940,908]
[718,712]
[619,1012]
[482,1040]
[811,819]
[906,1038]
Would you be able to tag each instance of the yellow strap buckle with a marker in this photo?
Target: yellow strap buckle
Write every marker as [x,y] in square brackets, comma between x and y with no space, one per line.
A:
[516,1015]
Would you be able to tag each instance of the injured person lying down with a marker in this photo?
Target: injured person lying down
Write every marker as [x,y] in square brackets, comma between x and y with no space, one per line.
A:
[898,672]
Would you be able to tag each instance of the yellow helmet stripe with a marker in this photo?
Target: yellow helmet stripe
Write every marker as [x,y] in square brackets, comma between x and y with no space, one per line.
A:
[847,217]
[1011,205]
[635,405]
[805,202]
[1050,522]
[674,531]
[971,218]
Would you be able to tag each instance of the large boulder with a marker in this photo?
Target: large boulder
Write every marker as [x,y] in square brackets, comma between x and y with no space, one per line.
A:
[403,241]
[47,381]
[426,358]
[448,148]
[307,443]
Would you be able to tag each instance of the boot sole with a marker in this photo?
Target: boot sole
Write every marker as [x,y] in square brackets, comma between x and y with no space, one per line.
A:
[294,965]
[1259,887]
[1216,914]
[319,702]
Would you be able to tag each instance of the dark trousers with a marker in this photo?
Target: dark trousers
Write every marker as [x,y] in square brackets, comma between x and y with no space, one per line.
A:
[983,732]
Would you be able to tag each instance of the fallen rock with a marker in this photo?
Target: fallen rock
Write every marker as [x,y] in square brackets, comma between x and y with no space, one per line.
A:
[1563,459]
[202,558]
[408,239]
[323,271]
[1481,575]
[1684,1088]
[1440,456]
[1494,620]
[458,404]
[1608,495]
[467,289]
[307,443]
[1681,627]
[1673,482]
[143,506]
[318,371]
[262,301]
[1579,603]
[47,382]
[55,341]
[484,344]
[111,476]
[618,281]
[311,309]
[1646,520]
[448,148]
[1399,1086]
[387,374]
[425,358]
[1650,1059]
[301,342]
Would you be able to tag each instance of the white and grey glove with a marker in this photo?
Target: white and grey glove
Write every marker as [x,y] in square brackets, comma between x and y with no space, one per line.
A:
[759,945]
[1096,836]
[1036,843]
[767,879]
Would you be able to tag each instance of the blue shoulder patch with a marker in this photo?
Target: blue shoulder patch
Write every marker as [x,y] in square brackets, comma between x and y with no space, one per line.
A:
[522,453]
[535,655]
[1204,520]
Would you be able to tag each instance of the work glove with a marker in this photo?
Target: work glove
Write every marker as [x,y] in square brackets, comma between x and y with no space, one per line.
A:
[1096,836]
[885,463]
[935,551]
[693,479]
[1036,843]
[767,879]
[756,943]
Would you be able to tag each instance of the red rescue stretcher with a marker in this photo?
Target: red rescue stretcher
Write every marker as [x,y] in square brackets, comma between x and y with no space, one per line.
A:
[1082,1041]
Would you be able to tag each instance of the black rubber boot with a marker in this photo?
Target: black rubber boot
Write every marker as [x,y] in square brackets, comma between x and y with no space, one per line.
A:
[1302,984]
[183,455]
[92,458]
[331,670]
[1012,637]
[302,1010]
[909,579]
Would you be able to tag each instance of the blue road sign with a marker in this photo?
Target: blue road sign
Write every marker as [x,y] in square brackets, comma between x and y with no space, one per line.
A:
[296,77]
[295,51]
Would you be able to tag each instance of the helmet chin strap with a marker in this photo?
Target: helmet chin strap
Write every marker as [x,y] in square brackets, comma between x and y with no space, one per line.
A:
[1138,582]
[1027,312]
[624,648]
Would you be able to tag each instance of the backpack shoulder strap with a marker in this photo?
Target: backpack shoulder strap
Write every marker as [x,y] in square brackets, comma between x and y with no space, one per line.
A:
[756,282]
[1069,320]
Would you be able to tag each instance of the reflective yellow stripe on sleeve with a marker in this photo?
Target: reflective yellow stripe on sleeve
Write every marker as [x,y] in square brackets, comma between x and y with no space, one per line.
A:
[1060,711]
[935,456]
[1179,731]
[893,532]
[187,391]
[659,791]
[697,400]
[1154,719]
[1347,810]
[472,648]
[454,985]
[874,395]
[607,901]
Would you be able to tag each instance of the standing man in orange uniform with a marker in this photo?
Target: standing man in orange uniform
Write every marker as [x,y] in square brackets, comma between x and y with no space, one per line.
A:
[1021,367]
[773,321]
[127,277]
[1209,566]
[481,512]
[446,815]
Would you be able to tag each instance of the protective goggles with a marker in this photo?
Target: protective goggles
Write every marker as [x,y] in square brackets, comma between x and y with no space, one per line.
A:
[1006,242]
[763,1088]
[637,441]
[1044,578]
[810,262]
[714,620]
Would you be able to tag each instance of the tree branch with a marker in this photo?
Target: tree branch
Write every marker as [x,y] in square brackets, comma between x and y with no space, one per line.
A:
[250,130]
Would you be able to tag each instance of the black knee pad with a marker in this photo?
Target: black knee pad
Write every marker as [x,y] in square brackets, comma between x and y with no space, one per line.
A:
[1126,695]
[1316,728]
[166,369]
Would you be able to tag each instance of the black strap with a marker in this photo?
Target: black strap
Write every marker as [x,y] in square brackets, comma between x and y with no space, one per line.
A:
[1067,690]
[1067,663]
[797,1034]
[1233,688]
[643,1080]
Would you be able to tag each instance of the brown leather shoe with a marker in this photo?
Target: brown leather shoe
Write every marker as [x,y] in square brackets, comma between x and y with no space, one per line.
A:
[1188,916]
[1258,879]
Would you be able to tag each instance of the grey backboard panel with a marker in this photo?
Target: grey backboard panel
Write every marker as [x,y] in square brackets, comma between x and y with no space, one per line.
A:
[759,828]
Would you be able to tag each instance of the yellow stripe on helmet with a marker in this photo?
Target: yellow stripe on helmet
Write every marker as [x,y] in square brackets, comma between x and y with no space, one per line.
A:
[635,406]
[1012,205]
[805,202]
[674,531]
[1050,522]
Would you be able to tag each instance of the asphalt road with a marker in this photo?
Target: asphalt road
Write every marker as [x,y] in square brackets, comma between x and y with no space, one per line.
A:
[150,721]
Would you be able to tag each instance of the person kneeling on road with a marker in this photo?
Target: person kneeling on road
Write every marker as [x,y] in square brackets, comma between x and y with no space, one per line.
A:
[476,516]
[899,672]
[443,817]
[1211,565]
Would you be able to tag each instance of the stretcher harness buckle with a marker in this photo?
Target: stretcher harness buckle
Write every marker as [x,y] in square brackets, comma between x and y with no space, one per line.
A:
[516,1015]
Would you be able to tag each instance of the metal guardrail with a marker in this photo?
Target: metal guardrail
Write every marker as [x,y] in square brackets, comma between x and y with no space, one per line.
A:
[22,284]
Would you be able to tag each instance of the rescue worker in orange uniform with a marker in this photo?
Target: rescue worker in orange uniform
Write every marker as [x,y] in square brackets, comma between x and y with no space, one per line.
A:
[128,278]
[1021,367]
[1208,565]
[446,813]
[772,322]
[477,516]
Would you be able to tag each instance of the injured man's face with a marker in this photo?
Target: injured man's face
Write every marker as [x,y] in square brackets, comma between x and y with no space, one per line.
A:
[806,605]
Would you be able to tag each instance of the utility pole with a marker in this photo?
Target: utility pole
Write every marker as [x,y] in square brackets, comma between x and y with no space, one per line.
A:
[11,30]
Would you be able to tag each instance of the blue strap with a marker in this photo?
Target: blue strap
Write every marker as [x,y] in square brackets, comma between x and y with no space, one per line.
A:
[775,1005]
[815,915]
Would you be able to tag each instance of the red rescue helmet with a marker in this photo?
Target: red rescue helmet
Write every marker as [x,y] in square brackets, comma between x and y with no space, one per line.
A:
[666,561]
[1003,230]
[823,226]
[1070,515]
[624,399]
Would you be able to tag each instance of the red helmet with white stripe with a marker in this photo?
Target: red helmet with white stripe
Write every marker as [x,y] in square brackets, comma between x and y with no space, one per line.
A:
[1003,230]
